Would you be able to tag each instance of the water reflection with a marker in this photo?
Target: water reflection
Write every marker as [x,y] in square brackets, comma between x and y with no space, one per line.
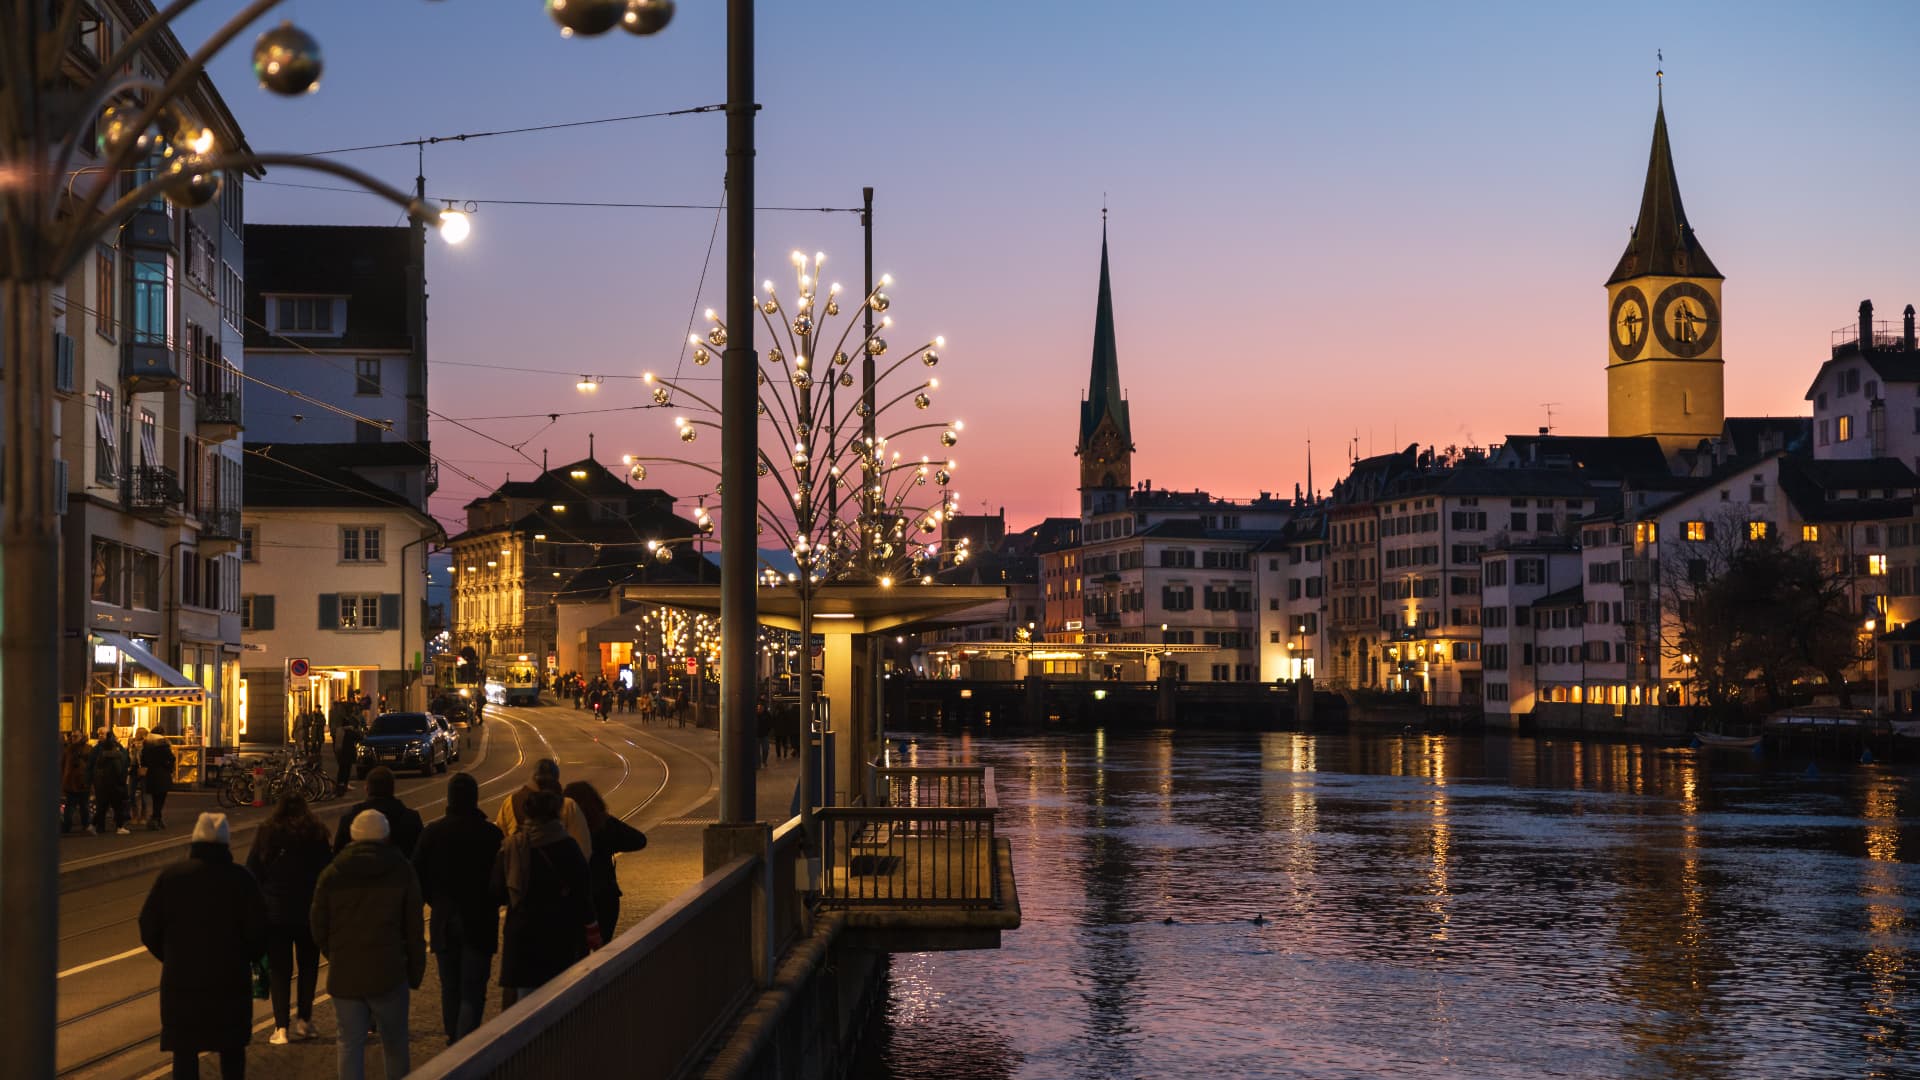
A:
[1428,906]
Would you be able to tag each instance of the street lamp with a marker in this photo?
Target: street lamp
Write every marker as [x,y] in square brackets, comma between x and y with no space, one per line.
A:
[54,214]
[1873,671]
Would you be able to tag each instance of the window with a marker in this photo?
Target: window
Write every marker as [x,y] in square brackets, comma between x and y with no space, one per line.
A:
[152,301]
[104,441]
[359,611]
[1518,521]
[1822,436]
[1697,531]
[1877,565]
[366,432]
[103,298]
[366,376]
[1529,571]
[246,613]
[247,534]
[360,544]
[1843,429]
[1850,381]
[1810,533]
[1758,530]
[303,315]
[149,432]
[109,573]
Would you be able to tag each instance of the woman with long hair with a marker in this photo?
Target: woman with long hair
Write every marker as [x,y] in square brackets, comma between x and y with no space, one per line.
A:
[611,836]
[137,775]
[289,851]
[542,880]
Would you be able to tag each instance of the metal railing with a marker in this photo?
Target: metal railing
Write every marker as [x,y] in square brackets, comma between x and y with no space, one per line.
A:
[221,523]
[156,487]
[651,1002]
[220,408]
[920,854]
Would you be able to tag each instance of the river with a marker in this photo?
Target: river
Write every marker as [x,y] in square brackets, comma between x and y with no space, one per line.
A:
[1295,905]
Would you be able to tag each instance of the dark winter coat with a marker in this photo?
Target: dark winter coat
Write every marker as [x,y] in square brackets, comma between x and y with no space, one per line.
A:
[157,758]
[288,874]
[545,933]
[455,865]
[366,919]
[205,921]
[403,825]
[611,837]
[74,759]
[109,765]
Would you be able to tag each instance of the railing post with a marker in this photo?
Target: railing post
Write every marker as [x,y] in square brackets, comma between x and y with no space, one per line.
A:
[723,843]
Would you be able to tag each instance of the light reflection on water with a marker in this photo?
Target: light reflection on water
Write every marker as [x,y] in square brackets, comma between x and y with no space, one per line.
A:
[1431,906]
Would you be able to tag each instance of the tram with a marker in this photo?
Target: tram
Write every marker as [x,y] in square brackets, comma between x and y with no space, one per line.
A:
[512,681]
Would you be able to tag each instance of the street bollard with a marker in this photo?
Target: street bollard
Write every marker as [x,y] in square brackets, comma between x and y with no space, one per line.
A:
[259,786]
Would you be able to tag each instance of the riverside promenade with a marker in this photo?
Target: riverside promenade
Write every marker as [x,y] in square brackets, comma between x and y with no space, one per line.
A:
[661,778]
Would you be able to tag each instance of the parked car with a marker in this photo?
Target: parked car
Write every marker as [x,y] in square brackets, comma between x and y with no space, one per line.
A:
[457,709]
[405,740]
[453,737]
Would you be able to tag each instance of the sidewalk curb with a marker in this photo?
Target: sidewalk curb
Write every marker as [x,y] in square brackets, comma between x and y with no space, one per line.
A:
[112,868]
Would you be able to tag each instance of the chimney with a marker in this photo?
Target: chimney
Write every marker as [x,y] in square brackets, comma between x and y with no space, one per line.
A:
[1906,338]
[1866,325]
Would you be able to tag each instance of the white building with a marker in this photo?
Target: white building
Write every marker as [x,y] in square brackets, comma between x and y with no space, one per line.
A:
[1290,597]
[1514,577]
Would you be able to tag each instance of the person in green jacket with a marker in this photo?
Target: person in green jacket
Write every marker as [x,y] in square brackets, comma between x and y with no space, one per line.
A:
[366,918]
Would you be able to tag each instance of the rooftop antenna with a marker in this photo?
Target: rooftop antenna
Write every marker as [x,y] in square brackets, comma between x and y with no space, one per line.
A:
[1549,406]
[589,446]
[1309,470]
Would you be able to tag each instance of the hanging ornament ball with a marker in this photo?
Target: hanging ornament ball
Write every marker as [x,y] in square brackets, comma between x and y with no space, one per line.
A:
[760,406]
[775,356]
[861,408]
[833,306]
[947,438]
[638,472]
[931,359]
[761,468]
[116,128]
[877,347]
[706,526]
[588,17]
[846,379]
[286,60]
[761,378]
[941,477]
[647,16]
[920,480]
[717,337]
[921,401]
[200,185]
[802,380]
[663,553]
[701,356]
[770,306]
[803,324]
[690,433]
[660,395]
[880,301]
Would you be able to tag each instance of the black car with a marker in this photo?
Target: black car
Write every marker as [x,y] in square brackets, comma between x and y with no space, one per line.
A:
[453,737]
[456,709]
[405,740]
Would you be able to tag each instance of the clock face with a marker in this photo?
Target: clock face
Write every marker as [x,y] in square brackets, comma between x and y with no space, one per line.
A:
[1686,320]
[1629,322]
[1106,447]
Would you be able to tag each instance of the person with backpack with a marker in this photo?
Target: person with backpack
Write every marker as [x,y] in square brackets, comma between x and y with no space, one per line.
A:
[367,921]
[403,823]
[205,921]
[289,852]
[454,862]
[543,881]
[108,769]
[74,812]
[611,837]
[157,762]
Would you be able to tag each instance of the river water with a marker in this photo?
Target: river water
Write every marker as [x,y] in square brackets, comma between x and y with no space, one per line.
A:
[1427,906]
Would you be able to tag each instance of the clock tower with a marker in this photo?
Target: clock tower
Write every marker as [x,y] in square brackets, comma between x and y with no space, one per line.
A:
[1664,369]
[1106,436]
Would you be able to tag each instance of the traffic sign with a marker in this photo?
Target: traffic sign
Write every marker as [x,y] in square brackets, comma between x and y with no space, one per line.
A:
[298,667]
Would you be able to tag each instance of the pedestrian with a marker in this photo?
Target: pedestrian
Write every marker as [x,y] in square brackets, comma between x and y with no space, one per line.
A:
[763,728]
[366,920]
[346,744]
[108,768]
[546,777]
[611,837]
[206,922]
[579,692]
[74,755]
[136,777]
[403,824]
[156,758]
[455,865]
[289,852]
[543,881]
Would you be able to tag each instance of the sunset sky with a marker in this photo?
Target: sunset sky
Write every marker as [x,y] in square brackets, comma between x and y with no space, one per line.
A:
[1362,224]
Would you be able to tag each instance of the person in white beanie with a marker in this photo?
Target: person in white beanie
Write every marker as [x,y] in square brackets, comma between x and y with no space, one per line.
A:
[367,920]
[206,922]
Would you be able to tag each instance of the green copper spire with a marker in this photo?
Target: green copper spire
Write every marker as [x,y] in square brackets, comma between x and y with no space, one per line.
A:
[1103,385]
[1663,243]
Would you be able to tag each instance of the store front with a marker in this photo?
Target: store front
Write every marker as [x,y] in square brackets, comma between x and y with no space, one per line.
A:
[130,689]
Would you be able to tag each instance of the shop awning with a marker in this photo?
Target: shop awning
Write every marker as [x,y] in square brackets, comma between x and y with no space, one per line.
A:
[179,690]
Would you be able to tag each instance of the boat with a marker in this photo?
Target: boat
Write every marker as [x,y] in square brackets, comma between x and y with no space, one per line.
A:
[1713,741]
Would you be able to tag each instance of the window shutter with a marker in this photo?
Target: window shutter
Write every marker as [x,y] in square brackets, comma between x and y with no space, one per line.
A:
[389,611]
[329,611]
[60,486]
[263,612]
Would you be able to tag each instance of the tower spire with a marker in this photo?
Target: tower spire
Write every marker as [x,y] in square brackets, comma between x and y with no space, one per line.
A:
[1104,398]
[1663,244]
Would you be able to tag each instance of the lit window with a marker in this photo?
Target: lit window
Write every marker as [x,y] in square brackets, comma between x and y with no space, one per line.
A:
[1756,530]
[1843,429]
[1696,530]
[1877,565]
[1646,532]
[1810,533]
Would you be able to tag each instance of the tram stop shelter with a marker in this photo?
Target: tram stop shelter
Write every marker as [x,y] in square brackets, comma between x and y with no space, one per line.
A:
[841,615]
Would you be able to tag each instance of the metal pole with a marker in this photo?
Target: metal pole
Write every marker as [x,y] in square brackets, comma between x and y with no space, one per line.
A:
[739,446]
[869,727]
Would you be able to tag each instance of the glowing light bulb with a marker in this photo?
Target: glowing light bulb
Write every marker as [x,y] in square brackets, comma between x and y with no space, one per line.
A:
[454,226]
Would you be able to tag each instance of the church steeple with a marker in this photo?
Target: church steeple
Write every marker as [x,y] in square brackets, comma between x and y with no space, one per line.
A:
[1105,448]
[1663,243]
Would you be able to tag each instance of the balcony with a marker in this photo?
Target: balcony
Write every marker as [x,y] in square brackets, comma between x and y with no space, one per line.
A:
[148,366]
[219,530]
[217,418]
[149,229]
[156,490]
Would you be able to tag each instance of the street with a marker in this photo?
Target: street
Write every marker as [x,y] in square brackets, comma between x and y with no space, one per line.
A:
[660,778]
